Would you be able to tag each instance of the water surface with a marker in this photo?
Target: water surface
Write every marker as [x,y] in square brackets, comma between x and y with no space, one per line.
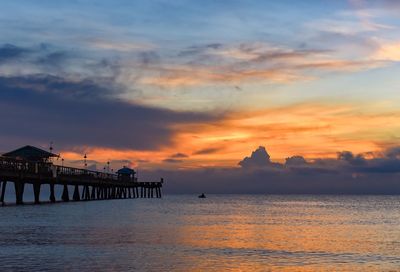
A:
[219,233]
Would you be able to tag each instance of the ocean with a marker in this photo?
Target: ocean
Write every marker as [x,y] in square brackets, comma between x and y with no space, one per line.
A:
[219,233]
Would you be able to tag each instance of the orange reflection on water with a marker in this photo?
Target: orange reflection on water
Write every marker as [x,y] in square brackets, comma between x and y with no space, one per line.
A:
[292,237]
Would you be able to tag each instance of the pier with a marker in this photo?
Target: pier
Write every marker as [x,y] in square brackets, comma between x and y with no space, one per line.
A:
[30,165]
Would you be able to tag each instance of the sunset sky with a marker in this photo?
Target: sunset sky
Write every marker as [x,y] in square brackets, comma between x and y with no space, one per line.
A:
[200,84]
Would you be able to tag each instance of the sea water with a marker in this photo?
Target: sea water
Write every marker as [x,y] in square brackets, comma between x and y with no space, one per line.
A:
[219,233]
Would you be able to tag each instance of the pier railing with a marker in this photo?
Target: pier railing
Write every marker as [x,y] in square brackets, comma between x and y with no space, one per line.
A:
[50,170]
[94,185]
[70,171]
[11,164]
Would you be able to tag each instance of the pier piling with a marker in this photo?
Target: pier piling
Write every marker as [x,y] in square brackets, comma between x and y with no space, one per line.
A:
[19,192]
[3,191]
[94,185]
[76,196]
[52,197]
[36,192]
[65,194]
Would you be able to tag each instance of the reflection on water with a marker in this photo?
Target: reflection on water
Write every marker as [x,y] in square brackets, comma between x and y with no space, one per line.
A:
[184,233]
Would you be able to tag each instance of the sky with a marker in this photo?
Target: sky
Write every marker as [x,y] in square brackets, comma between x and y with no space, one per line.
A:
[181,88]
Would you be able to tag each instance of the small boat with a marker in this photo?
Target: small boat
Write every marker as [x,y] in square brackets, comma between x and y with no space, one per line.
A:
[202,195]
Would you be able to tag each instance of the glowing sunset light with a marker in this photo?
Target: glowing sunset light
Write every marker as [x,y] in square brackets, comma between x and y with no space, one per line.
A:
[202,87]
[200,135]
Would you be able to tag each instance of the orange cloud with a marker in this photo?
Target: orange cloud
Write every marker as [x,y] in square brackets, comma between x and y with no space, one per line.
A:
[246,64]
[312,130]
[389,51]
[195,76]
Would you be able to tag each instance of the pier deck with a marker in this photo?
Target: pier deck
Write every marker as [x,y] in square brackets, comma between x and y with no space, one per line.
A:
[88,185]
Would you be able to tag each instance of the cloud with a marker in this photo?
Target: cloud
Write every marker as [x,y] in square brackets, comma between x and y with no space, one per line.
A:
[199,49]
[388,51]
[172,161]
[271,181]
[319,176]
[11,52]
[82,113]
[122,46]
[393,153]
[53,59]
[351,158]
[346,162]
[58,61]
[179,155]
[243,63]
[295,161]
[258,158]
[206,151]
[175,158]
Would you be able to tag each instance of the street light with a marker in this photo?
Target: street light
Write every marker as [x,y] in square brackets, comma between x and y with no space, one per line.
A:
[51,151]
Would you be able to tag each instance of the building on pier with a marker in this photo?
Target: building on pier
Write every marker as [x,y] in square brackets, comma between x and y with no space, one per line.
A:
[30,153]
[126,174]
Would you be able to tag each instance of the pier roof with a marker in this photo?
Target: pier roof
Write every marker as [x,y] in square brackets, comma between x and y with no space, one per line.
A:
[29,152]
[126,171]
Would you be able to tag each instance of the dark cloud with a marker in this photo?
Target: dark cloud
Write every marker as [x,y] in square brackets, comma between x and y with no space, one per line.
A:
[271,181]
[149,57]
[54,59]
[81,113]
[49,59]
[47,85]
[344,175]
[351,158]
[175,158]
[258,158]
[179,155]
[199,49]
[393,153]
[295,161]
[345,162]
[205,151]
[172,161]
[43,54]
[10,52]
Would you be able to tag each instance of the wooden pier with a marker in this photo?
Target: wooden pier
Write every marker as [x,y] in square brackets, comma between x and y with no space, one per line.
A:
[88,185]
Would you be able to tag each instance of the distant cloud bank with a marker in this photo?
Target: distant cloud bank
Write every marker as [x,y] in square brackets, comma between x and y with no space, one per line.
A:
[347,174]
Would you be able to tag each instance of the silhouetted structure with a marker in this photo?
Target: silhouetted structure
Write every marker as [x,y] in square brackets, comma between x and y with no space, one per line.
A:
[30,153]
[31,165]
[126,174]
